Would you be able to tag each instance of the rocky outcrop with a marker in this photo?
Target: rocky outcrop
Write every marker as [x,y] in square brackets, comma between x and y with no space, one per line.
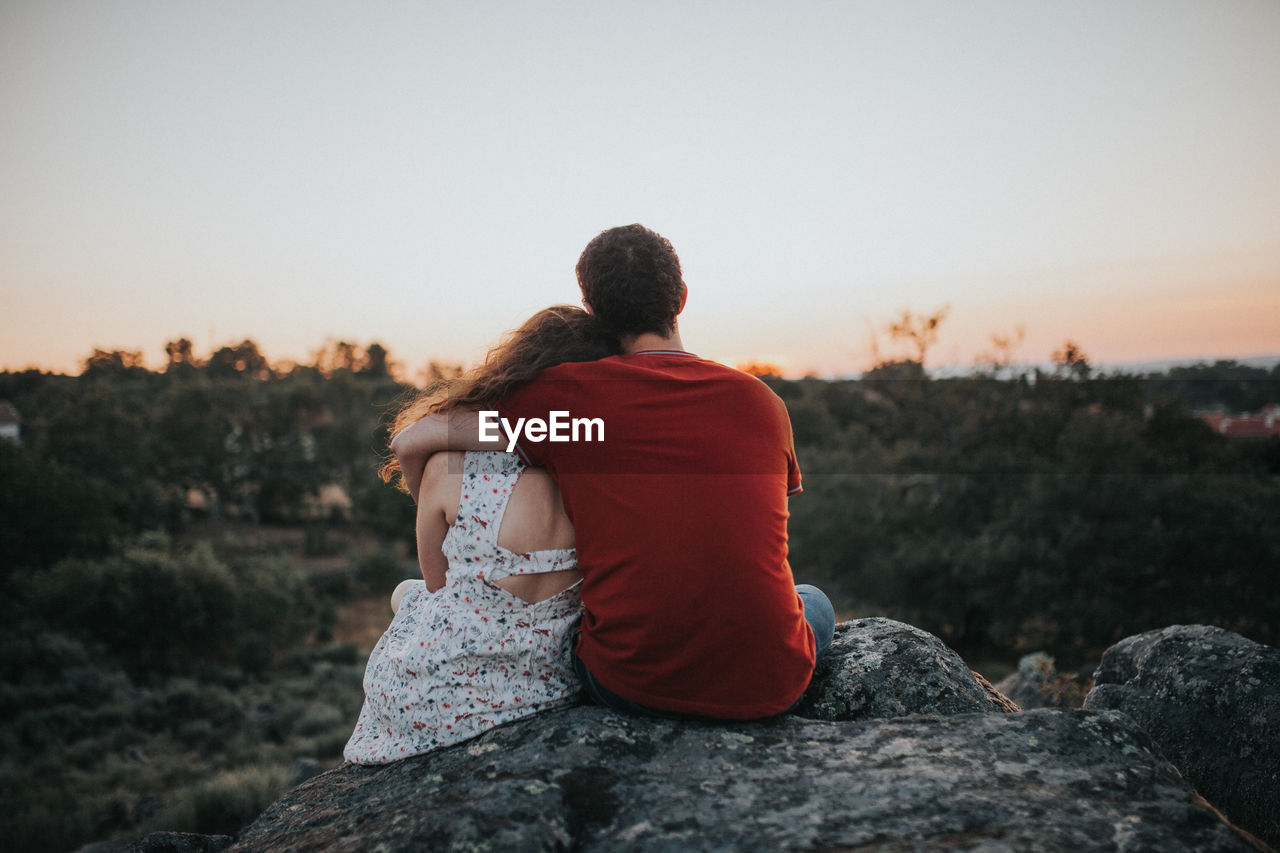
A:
[879,668]
[1210,699]
[589,779]
[897,746]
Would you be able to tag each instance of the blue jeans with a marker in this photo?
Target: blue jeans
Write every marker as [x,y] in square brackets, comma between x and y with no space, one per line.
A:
[818,612]
[820,615]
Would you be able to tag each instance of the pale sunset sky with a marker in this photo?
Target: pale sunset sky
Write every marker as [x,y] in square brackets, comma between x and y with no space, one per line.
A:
[424,174]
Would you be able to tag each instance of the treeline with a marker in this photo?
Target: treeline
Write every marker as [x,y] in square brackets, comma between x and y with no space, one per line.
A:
[1005,510]
[121,449]
[163,666]
[154,682]
[1223,385]
[1053,510]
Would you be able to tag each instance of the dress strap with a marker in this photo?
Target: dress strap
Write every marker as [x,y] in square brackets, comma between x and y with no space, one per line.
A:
[534,562]
[487,480]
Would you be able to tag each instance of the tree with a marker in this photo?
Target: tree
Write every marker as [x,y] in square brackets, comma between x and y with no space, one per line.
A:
[999,360]
[760,368]
[376,361]
[921,332]
[48,512]
[180,355]
[243,359]
[113,363]
[1070,362]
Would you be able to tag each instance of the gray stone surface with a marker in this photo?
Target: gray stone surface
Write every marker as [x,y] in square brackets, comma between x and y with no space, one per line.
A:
[1211,699]
[179,842]
[588,779]
[897,746]
[879,668]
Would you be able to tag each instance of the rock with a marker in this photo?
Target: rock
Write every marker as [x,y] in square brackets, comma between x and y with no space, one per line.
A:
[879,668]
[588,779]
[179,842]
[1037,684]
[897,746]
[1210,699]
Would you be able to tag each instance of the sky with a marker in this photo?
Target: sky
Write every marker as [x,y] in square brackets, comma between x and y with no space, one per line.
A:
[425,174]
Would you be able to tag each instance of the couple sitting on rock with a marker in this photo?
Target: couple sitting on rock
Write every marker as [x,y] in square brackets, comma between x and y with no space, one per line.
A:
[633,543]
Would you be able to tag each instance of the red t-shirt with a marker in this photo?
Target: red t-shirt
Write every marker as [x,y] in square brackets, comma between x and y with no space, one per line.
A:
[680,516]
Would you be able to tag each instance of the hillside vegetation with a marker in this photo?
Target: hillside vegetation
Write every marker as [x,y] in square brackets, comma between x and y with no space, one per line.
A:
[195,560]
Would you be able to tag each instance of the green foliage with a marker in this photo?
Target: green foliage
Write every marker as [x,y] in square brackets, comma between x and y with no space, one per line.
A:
[154,686]
[143,685]
[1225,385]
[86,753]
[1056,511]
[158,611]
[380,570]
[384,510]
[227,802]
[244,438]
[48,511]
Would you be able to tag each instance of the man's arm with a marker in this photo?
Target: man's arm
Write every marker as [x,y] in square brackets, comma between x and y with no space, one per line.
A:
[458,429]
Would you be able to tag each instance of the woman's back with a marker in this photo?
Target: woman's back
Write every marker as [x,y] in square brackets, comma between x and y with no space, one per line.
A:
[474,653]
[535,521]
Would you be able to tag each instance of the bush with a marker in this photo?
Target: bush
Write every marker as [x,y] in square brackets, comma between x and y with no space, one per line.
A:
[160,612]
[226,803]
[384,510]
[379,571]
[63,513]
[33,820]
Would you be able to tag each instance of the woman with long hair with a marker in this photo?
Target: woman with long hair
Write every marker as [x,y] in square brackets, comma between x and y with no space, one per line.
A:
[484,638]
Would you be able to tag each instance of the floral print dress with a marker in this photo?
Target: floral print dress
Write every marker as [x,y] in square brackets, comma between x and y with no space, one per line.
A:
[455,663]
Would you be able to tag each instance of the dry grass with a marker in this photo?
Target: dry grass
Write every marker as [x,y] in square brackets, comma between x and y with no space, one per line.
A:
[362,621]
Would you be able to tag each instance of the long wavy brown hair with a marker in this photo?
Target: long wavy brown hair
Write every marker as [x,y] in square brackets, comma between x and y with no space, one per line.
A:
[555,335]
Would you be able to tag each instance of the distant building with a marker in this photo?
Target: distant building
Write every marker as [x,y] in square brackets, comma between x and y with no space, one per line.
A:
[1263,424]
[10,422]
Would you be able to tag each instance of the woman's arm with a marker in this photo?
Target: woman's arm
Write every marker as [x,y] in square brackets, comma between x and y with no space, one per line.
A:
[458,429]
[438,501]
[431,531]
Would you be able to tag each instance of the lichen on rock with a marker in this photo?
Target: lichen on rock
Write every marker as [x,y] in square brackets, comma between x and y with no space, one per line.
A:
[1210,699]
[896,746]
[878,668]
[589,779]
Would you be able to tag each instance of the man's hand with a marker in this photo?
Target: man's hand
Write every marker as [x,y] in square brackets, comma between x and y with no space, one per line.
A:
[454,430]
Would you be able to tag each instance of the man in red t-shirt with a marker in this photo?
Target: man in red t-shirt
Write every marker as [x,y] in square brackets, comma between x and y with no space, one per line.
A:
[675,472]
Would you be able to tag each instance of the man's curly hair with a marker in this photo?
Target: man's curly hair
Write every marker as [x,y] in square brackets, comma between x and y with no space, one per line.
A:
[630,277]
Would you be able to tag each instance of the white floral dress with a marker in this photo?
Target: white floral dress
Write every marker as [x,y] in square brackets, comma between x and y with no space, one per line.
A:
[470,656]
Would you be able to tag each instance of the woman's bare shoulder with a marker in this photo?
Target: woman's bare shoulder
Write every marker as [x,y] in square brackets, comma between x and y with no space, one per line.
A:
[442,482]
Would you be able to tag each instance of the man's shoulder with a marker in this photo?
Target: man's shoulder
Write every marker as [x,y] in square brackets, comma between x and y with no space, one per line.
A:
[576,369]
[621,371]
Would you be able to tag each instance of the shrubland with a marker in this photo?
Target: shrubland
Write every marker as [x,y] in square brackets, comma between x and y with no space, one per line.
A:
[176,579]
